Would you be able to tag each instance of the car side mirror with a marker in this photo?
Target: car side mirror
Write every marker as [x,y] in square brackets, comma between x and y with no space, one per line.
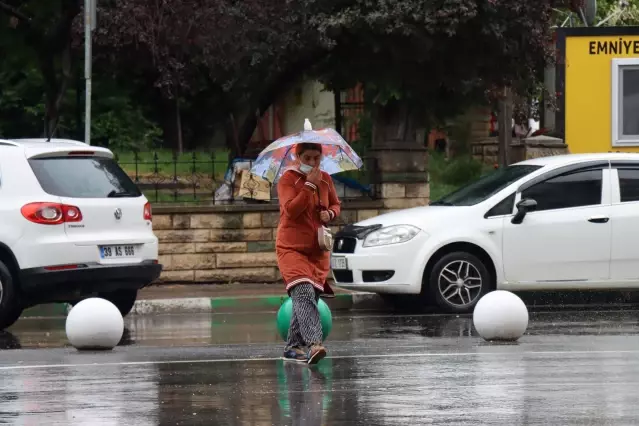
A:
[524,207]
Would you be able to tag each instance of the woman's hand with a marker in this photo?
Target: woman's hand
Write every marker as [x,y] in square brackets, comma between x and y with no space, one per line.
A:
[314,176]
[325,216]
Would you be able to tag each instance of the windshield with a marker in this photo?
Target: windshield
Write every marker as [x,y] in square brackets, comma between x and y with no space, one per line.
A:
[485,187]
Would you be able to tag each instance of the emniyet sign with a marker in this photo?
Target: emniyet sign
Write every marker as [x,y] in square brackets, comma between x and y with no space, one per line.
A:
[597,77]
[621,46]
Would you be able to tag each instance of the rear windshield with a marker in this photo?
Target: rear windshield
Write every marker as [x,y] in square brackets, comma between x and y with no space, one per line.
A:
[83,177]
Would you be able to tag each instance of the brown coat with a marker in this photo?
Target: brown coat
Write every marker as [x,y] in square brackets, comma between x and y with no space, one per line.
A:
[299,256]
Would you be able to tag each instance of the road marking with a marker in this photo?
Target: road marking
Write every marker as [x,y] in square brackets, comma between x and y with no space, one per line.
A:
[393,355]
[355,315]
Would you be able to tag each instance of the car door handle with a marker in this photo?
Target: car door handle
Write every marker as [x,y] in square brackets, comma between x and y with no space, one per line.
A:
[599,219]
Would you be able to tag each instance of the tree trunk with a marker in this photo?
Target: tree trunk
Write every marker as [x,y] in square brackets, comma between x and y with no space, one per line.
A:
[232,138]
[178,127]
[396,155]
[257,106]
[55,88]
[505,127]
[395,122]
[79,91]
[246,130]
[168,123]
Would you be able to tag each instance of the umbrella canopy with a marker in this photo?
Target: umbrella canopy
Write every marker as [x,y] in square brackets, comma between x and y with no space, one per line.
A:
[337,155]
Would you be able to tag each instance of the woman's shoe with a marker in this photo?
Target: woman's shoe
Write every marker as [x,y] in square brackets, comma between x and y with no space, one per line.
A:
[327,295]
[295,354]
[316,353]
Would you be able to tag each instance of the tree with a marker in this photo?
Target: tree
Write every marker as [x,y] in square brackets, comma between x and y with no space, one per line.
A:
[431,59]
[44,29]
[608,12]
[236,57]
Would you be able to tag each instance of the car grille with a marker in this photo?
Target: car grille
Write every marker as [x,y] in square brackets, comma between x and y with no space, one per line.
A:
[343,276]
[344,245]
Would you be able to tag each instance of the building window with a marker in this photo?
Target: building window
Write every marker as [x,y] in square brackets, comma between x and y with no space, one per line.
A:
[625,102]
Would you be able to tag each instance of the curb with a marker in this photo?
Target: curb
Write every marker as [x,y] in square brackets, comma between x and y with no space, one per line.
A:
[242,304]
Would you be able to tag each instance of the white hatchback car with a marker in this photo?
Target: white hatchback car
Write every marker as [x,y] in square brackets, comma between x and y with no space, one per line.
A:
[566,222]
[73,225]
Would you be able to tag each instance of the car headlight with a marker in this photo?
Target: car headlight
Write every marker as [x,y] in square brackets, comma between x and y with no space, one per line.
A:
[391,235]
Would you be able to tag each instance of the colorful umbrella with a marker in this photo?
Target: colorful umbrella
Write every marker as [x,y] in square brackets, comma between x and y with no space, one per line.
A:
[337,155]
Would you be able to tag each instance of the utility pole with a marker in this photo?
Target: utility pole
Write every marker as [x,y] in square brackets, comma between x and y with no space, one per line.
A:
[89,26]
[505,126]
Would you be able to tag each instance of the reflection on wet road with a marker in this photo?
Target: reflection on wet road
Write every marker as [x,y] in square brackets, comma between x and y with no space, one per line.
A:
[571,368]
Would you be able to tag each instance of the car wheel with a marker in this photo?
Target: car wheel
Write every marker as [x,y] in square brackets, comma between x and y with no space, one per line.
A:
[10,305]
[457,282]
[122,299]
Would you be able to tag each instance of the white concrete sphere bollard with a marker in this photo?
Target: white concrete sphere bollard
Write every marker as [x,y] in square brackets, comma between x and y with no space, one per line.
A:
[94,324]
[500,316]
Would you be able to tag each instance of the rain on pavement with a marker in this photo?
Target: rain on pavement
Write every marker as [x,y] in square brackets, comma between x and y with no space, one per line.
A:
[570,368]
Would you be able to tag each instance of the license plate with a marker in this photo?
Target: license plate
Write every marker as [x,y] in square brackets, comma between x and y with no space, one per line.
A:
[117,252]
[339,263]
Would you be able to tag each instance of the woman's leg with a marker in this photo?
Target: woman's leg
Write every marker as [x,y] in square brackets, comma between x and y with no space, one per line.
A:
[294,339]
[306,320]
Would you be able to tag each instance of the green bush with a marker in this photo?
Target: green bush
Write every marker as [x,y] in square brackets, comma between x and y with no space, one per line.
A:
[448,174]
[455,171]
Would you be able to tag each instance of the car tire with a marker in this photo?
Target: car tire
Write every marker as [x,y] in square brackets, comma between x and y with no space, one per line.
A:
[457,281]
[10,304]
[124,300]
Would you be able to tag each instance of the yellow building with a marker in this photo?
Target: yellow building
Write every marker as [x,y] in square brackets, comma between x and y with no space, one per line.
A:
[598,88]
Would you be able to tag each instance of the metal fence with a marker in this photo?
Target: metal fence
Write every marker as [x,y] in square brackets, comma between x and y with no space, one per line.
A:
[207,178]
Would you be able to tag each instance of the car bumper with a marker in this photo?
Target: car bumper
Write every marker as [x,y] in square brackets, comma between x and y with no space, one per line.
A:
[89,278]
[395,268]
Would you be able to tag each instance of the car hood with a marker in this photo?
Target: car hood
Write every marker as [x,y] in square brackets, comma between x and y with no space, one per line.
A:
[420,217]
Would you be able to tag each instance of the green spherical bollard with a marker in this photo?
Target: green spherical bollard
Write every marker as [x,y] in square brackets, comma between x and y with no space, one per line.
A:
[286,311]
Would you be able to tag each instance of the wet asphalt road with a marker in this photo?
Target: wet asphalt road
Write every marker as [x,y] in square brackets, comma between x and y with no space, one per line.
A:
[571,368]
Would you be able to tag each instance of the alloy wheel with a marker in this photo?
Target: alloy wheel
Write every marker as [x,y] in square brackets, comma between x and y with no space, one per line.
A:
[459,283]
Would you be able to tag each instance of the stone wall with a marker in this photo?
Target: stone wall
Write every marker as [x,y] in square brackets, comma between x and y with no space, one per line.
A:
[536,147]
[236,243]
[487,150]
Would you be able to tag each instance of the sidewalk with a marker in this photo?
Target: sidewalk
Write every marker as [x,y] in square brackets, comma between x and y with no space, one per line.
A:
[219,298]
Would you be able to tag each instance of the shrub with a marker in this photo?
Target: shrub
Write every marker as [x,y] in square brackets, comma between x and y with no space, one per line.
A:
[456,171]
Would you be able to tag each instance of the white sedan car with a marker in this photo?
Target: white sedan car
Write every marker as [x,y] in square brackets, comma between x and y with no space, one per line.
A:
[566,222]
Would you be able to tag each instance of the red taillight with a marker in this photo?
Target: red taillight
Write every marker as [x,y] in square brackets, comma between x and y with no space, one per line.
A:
[148,213]
[51,213]
[82,153]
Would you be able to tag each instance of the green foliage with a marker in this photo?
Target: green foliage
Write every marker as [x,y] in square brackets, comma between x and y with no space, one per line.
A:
[459,131]
[435,56]
[365,128]
[454,172]
[122,125]
[225,60]
[21,101]
[619,12]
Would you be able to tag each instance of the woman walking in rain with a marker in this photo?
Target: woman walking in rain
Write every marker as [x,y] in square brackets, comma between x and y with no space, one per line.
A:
[308,201]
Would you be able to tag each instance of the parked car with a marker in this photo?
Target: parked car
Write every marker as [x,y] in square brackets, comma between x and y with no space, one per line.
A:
[566,222]
[73,225]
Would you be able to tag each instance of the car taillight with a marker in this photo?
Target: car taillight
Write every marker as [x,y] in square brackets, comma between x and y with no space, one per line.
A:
[51,213]
[82,153]
[148,213]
